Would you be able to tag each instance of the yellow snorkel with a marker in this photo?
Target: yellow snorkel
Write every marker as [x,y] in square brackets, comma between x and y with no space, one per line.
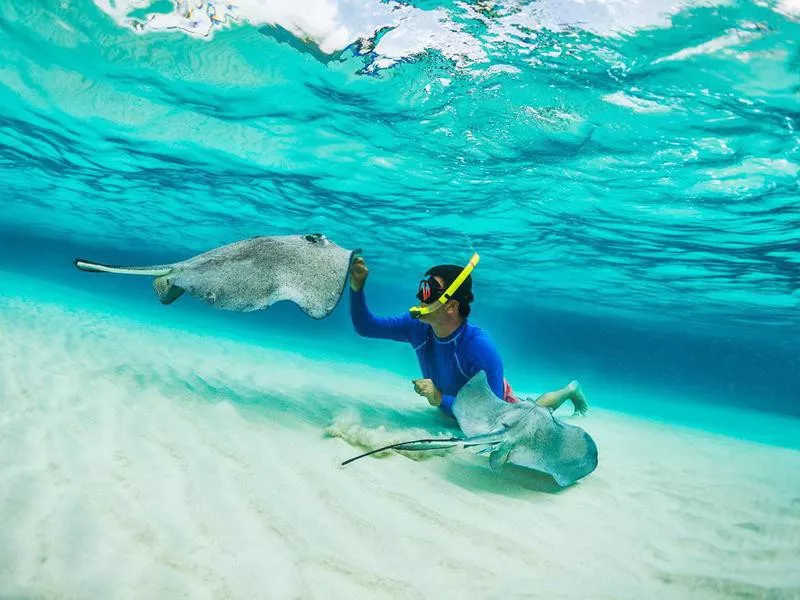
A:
[418,311]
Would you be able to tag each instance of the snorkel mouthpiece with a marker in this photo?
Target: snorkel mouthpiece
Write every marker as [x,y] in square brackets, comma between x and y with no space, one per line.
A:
[417,311]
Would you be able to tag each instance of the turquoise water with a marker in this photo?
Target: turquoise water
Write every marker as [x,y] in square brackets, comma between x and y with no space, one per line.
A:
[628,172]
[629,176]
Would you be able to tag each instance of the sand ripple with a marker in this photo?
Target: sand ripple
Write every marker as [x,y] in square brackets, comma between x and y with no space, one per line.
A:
[139,462]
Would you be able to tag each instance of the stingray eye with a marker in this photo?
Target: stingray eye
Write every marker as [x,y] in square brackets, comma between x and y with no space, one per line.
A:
[315,238]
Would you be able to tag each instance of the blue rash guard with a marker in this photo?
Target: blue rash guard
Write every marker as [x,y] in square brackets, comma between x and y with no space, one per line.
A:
[449,362]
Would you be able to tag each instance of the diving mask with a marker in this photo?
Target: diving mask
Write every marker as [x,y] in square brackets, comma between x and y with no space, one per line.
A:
[430,291]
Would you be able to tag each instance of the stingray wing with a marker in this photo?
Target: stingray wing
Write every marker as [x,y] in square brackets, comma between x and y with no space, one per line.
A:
[479,412]
[254,274]
[546,444]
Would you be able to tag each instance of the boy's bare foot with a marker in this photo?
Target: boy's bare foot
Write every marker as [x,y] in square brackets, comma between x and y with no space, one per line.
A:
[577,398]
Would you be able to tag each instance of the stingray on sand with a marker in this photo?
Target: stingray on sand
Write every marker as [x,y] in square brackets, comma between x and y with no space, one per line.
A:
[253,274]
[523,433]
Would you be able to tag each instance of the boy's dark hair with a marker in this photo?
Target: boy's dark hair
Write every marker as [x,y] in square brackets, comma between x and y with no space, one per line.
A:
[463,294]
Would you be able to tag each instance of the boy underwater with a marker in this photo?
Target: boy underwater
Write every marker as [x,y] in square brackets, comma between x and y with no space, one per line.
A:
[450,350]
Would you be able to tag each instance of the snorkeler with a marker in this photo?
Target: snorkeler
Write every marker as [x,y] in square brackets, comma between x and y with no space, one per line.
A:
[449,349]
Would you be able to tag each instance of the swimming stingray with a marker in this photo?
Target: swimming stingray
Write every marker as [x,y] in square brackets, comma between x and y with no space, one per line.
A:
[309,270]
[523,433]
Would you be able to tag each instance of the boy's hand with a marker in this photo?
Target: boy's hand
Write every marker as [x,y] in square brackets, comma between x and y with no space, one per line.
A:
[358,274]
[426,389]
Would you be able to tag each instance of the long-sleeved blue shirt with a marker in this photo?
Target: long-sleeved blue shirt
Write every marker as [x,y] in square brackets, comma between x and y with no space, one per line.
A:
[449,362]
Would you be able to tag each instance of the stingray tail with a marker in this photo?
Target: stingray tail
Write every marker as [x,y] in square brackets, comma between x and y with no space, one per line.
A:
[432,444]
[93,267]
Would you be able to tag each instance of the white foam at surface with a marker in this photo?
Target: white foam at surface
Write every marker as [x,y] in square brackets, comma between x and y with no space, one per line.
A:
[334,25]
[638,105]
[730,39]
[331,25]
[790,8]
[607,18]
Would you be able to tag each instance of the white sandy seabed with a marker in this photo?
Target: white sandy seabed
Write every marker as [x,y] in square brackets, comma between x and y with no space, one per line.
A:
[137,461]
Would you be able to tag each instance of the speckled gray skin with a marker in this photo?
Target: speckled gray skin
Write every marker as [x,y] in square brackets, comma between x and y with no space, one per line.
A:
[527,434]
[253,274]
